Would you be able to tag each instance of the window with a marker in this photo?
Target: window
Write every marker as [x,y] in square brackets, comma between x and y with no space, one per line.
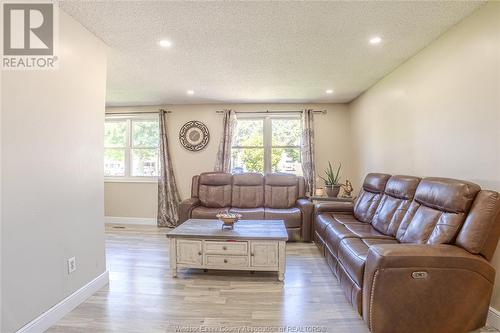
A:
[131,147]
[267,144]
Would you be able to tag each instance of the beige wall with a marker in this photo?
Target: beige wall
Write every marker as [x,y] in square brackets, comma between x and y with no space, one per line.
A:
[52,177]
[1,211]
[439,113]
[139,200]
[130,199]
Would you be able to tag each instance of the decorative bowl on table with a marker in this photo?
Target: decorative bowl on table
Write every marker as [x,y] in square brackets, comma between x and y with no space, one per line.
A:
[228,219]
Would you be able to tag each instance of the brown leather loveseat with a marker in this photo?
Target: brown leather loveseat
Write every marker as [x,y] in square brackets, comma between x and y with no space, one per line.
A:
[271,197]
[411,254]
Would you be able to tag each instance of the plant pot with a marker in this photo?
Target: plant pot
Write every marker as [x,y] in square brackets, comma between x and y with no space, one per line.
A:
[332,190]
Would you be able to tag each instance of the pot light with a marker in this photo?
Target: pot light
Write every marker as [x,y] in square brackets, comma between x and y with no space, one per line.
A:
[165,43]
[375,40]
[329,91]
[190,92]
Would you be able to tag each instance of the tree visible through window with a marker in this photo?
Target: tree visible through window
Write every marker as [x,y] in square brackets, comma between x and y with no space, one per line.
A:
[131,146]
[267,144]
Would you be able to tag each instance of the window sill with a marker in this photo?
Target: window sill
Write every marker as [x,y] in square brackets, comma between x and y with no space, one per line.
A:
[131,180]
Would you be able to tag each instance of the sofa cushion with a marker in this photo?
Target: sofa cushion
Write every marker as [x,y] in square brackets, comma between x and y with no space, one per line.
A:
[364,230]
[369,197]
[394,204]
[323,220]
[320,223]
[202,212]
[352,254]
[215,189]
[446,195]
[248,190]
[378,241]
[402,187]
[438,211]
[334,233]
[249,213]
[291,216]
[281,190]
[344,218]
[215,178]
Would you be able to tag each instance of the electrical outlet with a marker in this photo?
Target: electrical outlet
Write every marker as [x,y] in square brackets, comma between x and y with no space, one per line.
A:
[71,265]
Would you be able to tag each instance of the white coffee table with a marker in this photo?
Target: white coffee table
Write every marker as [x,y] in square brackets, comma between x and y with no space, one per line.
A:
[253,245]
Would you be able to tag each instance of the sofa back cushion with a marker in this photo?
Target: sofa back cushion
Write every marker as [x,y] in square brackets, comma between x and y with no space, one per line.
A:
[248,190]
[214,189]
[281,190]
[396,199]
[369,196]
[437,212]
[479,234]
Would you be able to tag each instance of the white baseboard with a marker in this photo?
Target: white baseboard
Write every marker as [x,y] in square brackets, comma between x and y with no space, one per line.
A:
[493,318]
[130,220]
[55,313]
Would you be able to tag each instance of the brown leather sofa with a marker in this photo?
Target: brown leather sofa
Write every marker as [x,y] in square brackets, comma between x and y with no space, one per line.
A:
[411,254]
[271,197]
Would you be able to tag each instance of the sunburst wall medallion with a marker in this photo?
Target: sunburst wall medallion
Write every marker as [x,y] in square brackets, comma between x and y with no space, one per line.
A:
[194,135]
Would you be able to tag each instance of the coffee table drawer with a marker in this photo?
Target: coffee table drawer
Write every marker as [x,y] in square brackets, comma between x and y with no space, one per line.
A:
[215,247]
[226,261]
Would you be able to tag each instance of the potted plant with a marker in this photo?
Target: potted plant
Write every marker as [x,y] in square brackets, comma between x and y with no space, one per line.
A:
[332,185]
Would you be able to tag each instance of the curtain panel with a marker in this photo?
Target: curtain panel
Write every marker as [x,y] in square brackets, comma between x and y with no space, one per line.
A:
[168,195]
[307,150]
[223,159]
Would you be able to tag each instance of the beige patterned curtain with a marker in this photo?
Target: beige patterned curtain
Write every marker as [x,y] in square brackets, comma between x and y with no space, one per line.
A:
[307,150]
[223,160]
[168,195]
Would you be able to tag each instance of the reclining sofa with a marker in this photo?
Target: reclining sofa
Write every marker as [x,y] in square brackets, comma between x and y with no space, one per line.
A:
[272,197]
[411,254]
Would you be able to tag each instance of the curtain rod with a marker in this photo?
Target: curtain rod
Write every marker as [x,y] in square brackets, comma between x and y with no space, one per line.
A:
[218,111]
[279,111]
[135,112]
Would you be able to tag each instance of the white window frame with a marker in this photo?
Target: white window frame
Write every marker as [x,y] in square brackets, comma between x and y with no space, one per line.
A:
[128,178]
[268,133]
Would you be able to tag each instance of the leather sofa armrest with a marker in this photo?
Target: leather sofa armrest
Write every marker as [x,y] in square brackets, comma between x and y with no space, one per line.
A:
[307,208]
[185,208]
[338,207]
[425,288]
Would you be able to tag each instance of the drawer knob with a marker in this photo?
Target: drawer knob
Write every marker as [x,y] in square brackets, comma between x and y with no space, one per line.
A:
[199,253]
[225,261]
[252,254]
[224,248]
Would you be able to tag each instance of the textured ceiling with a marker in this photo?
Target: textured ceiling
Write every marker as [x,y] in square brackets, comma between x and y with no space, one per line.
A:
[254,52]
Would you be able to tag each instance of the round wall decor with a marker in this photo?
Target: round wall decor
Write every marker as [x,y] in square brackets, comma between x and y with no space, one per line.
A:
[194,135]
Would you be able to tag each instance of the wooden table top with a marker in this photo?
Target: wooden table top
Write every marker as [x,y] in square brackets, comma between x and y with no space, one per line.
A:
[243,230]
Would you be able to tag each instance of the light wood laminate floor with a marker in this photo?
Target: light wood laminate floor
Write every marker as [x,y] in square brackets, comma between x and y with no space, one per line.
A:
[142,297]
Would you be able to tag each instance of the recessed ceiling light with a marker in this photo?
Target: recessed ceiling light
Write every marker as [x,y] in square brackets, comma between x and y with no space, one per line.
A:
[165,43]
[190,92]
[375,40]
[329,91]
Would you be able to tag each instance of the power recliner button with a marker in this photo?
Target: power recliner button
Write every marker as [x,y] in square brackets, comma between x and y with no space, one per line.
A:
[419,275]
